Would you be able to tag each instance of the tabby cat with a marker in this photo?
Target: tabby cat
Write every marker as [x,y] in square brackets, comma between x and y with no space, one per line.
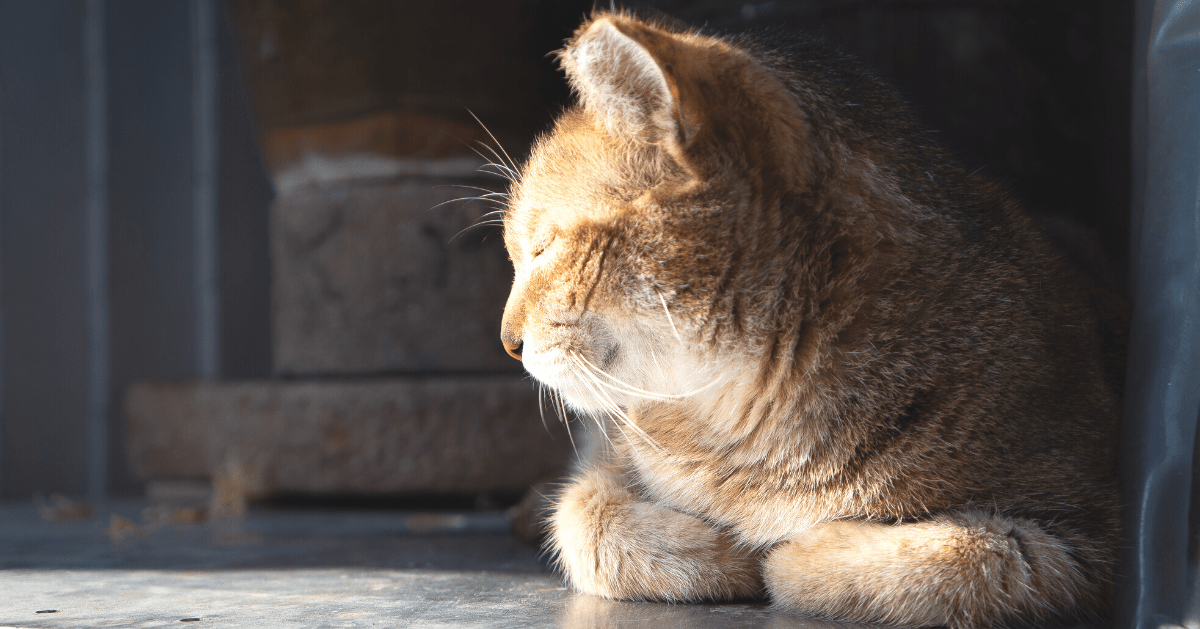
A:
[832,367]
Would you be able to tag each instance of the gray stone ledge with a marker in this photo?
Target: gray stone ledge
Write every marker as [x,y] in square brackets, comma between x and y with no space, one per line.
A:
[370,436]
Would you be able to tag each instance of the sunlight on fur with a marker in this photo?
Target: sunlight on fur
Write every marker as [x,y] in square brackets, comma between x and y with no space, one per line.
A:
[825,364]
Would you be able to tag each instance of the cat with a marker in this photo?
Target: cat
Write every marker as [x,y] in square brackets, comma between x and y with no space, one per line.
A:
[831,366]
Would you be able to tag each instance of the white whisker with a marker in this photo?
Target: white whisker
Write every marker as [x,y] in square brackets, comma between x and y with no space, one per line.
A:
[613,408]
[541,409]
[510,163]
[571,438]
[624,387]
[490,193]
[503,173]
[669,319]
[473,226]
[497,213]
[452,201]
[500,161]
[562,416]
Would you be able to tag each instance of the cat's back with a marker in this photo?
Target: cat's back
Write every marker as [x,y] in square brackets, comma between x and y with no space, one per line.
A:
[950,353]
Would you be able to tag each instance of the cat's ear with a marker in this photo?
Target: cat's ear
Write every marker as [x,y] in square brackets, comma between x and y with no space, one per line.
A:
[709,105]
[619,80]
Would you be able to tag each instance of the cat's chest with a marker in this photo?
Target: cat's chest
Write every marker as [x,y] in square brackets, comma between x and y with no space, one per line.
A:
[758,499]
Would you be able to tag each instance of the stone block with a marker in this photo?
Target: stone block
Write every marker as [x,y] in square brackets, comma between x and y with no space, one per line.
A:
[388,275]
[370,436]
[329,60]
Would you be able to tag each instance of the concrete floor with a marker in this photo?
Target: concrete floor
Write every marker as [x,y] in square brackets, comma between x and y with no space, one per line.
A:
[306,568]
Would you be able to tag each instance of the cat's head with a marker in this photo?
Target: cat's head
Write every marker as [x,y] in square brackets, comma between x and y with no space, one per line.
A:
[646,227]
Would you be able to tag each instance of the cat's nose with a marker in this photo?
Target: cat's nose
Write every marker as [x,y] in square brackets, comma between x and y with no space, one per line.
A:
[513,349]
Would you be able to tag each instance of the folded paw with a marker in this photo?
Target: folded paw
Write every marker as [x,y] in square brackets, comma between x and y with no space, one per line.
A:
[611,544]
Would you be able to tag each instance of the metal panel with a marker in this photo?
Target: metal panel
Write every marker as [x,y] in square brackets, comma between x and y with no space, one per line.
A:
[43,247]
[126,152]
[96,213]
[245,194]
[151,199]
[1163,388]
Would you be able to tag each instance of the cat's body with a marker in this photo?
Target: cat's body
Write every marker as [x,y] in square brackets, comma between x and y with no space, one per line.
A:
[834,365]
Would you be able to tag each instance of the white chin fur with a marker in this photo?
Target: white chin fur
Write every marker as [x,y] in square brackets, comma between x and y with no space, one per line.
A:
[646,365]
[582,392]
[576,390]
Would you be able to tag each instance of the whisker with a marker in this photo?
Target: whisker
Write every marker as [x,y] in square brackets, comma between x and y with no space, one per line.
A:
[500,161]
[560,407]
[488,162]
[615,409]
[541,409]
[624,387]
[459,199]
[604,400]
[598,419]
[490,193]
[473,226]
[501,169]
[657,365]
[510,163]
[562,415]
[669,319]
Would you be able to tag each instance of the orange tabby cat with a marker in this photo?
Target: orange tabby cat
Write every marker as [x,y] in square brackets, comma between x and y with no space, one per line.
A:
[833,367]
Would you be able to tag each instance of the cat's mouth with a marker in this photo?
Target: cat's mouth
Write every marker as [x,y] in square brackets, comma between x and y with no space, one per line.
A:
[553,364]
[583,377]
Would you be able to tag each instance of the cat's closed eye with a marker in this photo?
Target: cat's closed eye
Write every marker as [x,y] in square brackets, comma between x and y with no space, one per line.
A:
[540,249]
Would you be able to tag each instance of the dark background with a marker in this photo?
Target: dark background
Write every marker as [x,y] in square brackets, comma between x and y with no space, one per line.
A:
[1035,93]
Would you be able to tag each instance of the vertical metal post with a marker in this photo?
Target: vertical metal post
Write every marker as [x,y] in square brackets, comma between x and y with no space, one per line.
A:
[3,416]
[206,138]
[1163,387]
[96,217]
[44,204]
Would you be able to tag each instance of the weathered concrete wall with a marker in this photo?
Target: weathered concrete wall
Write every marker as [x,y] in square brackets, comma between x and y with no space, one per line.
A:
[386,436]
[367,121]
[316,61]
[387,276]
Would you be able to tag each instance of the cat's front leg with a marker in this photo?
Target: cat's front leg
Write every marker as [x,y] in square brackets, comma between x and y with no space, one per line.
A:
[963,570]
[610,543]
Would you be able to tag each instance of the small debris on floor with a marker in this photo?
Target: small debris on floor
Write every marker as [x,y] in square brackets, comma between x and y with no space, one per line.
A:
[121,528]
[234,485]
[161,514]
[59,508]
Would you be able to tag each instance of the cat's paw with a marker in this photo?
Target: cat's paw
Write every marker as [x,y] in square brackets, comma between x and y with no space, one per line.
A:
[611,544]
[963,570]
